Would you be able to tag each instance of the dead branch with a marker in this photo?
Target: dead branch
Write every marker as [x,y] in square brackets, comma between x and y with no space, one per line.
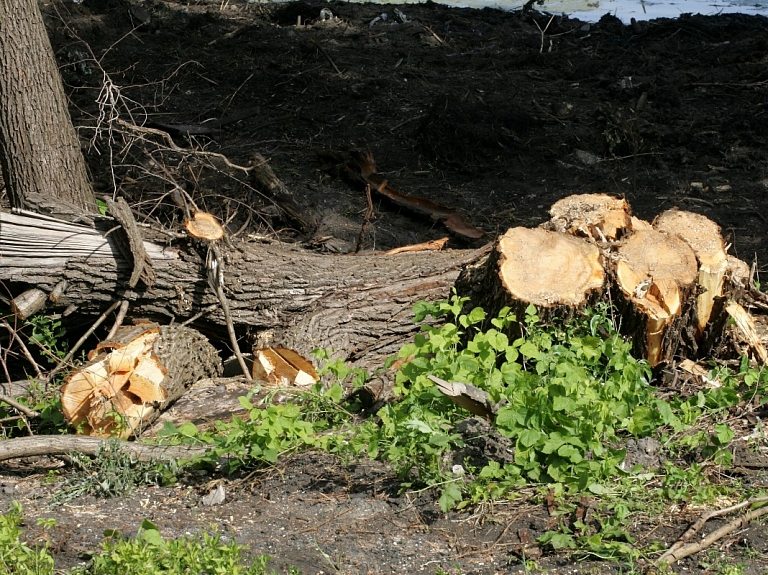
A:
[67,358]
[65,444]
[680,550]
[19,406]
[23,347]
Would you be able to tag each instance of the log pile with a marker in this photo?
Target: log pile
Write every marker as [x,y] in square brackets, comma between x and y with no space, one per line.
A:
[671,280]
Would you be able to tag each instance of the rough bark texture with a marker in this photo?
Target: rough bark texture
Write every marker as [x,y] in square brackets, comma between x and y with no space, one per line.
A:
[360,306]
[39,149]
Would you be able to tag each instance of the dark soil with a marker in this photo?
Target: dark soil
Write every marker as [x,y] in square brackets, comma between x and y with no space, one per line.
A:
[476,109]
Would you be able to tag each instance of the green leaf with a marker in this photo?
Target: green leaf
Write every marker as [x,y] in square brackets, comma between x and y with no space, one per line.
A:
[562,403]
[530,350]
[451,494]
[245,402]
[598,489]
[723,433]
[529,437]
[418,425]
[558,540]
[476,315]
[570,452]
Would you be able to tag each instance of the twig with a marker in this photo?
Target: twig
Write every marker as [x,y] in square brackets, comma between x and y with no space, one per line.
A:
[404,122]
[438,38]
[369,215]
[172,145]
[199,314]
[24,349]
[31,413]
[680,550]
[215,269]
[65,361]
[544,31]
[324,53]
[121,313]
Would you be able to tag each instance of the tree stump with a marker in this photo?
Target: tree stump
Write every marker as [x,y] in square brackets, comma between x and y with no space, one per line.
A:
[655,274]
[133,377]
[558,273]
[670,281]
[597,216]
[703,235]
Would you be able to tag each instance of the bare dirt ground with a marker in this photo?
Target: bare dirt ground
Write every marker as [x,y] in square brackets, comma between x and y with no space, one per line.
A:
[495,114]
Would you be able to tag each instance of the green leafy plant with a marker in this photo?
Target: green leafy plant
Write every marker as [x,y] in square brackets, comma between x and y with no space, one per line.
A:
[16,556]
[567,396]
[269,430]
[149,553]
[48,333]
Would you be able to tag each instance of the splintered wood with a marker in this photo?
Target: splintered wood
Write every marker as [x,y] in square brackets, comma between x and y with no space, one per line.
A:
[132,377]
[283,367]
[670,280]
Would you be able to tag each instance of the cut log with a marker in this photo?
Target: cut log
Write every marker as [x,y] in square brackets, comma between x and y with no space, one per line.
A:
[279,366]
[655,275]
[703,235]
[133,377]
[597,216]
[554,271]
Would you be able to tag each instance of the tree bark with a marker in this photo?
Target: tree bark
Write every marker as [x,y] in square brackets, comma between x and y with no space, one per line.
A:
[39,148]
[359,306]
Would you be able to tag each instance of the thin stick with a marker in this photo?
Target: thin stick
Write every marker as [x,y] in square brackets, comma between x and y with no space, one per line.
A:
[200,314]
[324,53]
[544,31]
[65,362]
[215,271]
[121,313]
[369,215]
[31,413]
[680,551]
[24,349]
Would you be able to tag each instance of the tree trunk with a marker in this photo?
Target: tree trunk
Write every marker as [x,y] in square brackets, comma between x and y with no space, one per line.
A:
[359,306]
[39,148]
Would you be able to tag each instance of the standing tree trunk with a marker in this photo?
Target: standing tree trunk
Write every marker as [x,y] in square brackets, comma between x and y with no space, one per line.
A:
[39,149]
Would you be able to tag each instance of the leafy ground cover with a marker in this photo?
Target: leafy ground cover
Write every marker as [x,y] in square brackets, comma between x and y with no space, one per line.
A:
[570,398]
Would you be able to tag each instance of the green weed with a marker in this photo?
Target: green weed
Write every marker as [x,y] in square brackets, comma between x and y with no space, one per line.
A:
[112,473]
[16,556]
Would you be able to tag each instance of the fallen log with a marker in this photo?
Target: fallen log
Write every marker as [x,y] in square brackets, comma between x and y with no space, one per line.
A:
[361,307]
